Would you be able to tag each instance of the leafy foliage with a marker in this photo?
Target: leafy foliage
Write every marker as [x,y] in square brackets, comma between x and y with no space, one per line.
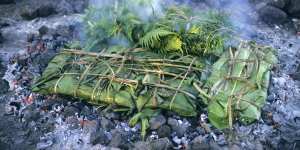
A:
[152,39]
[180,30]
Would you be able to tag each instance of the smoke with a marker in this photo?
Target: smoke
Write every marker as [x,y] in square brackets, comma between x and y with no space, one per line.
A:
[241,13]
[140,7]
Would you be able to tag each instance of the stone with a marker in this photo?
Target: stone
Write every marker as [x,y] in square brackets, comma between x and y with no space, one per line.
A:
[161,144]
[30,113]
[72,6]
[64,30]
[157,121]
[4,86]
[1,38]
[141,145]
[35,11]
[164,131]
[119,139]
[7,1]
[43,30]
[176,127]
[70,111]
[112,115]
[106,124]
[2,69]
[90,126]
[85,110]
[31,9]
[296,23]
[99,137]
[44,145]
[294,8]
[73,122]
[199,143]
[277,3]
[272,15]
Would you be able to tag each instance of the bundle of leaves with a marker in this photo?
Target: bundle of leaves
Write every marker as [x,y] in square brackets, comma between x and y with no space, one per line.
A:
[142,82]
[237,87]
[180,30]
[138,81]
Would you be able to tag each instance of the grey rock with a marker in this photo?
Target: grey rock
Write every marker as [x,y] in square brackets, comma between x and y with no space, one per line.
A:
[7,1]
[72,6]
[63,30]
[296,75]
[176,127]
[1,38]
[161,144]
[4,86]
[112,115]
[2,69]
[106,124]
[234,147]
[297,27]
[4,145]
[294,8]
[43,30]
[172,122]
[200,130]
[164,131]
[214,146]
[70,111]
[271,14]
[31,113]
[31,9]
[93,126]
[86,111]
[34,10]
[141,145]
[277,3]
[199,142]
[99,137]
[157,121]
[44,145]
[119,139]
[73,122]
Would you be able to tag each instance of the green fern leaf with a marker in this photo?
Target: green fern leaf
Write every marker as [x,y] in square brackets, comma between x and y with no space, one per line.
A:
[152,38]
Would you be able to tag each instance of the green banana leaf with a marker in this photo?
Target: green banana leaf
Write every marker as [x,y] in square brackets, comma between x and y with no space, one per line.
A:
[135,80]
[144,82]
[238,84]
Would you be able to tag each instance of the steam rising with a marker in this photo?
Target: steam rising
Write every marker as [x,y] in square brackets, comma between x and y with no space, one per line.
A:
[140,7]
[241,13]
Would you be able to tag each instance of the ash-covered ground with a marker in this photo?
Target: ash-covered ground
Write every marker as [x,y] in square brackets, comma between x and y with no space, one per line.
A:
[33,31]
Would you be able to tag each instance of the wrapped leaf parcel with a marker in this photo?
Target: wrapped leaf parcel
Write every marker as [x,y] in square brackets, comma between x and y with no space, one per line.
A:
[135,80]
[142,81]
[237,87]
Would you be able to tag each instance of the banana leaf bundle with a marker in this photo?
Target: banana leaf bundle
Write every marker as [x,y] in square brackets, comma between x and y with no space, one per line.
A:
[237,87]
[143,82]
[134,81]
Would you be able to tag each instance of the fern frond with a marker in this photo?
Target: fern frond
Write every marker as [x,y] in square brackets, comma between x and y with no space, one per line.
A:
[153,37]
